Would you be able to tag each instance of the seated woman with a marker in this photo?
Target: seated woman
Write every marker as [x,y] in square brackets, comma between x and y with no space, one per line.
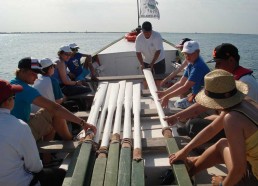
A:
[47,85]
[68,87]
[239,119]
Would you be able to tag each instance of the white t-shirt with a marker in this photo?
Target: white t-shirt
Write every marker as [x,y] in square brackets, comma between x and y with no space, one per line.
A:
[19,151]
[44,85]
[148,47]
[252,86]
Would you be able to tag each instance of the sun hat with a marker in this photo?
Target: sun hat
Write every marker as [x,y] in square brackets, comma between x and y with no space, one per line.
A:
[7,90]
[64,49]
[221,91]
[30,63]
[190,47]
[73,46]
[182,42]
[46,62]
[146,26]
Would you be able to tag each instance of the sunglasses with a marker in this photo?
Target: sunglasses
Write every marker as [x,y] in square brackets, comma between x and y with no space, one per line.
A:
[67,54]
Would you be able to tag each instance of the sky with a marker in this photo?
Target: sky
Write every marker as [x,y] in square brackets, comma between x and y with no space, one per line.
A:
[178,16]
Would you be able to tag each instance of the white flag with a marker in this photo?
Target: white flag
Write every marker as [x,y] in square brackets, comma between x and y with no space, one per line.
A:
[148,9]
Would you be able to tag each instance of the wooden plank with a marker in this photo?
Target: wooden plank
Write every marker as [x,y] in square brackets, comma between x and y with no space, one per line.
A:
[112,165]
[179,168]
[99,172]
[80,168]
[70,146]
[130,77]
[138,173]
[124,173]
[69,173]
[81,96]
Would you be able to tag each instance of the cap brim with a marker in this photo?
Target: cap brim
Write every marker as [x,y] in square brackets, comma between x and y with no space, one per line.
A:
[38,71]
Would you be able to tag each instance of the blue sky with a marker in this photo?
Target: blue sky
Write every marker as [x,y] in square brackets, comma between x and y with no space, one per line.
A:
[184,16]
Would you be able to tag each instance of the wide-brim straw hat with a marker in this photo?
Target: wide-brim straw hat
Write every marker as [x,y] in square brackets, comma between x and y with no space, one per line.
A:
[221,90]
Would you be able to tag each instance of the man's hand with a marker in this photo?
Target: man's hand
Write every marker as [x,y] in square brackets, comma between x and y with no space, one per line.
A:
[87,126]
[164,101]
[172,120]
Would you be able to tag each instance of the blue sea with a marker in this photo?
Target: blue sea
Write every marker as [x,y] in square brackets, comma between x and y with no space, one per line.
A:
[42,45]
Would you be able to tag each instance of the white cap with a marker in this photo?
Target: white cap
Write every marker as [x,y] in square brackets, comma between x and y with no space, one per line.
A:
[190,47]
[46,62]
[73,45]
[65,49]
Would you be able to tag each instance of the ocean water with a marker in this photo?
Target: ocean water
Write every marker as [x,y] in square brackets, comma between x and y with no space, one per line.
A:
[41,45]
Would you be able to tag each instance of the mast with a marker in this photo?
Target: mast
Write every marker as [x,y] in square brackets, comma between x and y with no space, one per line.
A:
[138,12]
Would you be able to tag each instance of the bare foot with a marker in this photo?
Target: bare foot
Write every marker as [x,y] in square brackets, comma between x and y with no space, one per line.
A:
[217,180]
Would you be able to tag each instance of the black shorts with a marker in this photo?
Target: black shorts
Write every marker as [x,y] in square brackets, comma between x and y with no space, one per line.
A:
[158,68]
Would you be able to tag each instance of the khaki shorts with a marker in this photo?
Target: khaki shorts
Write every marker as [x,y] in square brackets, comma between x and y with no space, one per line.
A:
[41,124]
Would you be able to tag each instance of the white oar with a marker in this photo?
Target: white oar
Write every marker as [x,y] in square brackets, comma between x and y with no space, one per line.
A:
[111,110]
[153,90]
[128,106]
[97,103]
[102,116]
[119,108]
[125,164]
[136,114]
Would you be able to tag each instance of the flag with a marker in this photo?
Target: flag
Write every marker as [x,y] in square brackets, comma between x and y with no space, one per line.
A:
[148,9]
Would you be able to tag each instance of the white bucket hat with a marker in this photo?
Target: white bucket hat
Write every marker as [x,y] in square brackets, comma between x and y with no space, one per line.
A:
[221,90]
[46,62]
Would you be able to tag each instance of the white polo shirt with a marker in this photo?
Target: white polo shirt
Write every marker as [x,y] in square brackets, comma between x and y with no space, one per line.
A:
[148,47]
[18,151]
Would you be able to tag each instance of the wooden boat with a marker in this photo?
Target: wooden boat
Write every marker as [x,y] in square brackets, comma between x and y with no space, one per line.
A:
[102,161]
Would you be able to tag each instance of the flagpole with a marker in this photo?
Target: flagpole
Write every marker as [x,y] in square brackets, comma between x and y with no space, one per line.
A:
[138,12]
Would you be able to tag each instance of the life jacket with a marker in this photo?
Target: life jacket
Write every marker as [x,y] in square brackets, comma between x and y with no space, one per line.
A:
[249,108]
[240,72]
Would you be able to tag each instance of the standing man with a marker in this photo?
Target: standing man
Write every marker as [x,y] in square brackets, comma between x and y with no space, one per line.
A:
[149,49]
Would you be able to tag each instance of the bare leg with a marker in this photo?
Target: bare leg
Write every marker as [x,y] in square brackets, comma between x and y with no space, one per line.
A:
[61,128]
[212,156]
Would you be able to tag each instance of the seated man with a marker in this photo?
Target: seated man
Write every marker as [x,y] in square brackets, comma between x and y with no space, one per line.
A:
[193,78]
[182,66]
[227,58]
[79,71]
[20,161]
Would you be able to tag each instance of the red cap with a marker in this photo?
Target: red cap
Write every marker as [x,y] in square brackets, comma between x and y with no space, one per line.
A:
[7,90]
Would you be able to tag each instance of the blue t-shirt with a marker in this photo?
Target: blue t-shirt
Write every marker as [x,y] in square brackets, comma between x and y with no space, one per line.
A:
[23,100]
[74,64]
[196,72]
[56,89]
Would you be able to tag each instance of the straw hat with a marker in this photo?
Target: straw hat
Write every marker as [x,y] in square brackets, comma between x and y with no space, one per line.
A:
[221,90]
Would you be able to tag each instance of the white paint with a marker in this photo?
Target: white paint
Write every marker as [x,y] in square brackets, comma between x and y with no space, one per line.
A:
[136,114]
[119,108]
[127,131]
[153,90]
[111,109]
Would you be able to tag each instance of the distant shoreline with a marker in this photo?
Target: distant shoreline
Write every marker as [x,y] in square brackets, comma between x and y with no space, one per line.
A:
[110,33]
